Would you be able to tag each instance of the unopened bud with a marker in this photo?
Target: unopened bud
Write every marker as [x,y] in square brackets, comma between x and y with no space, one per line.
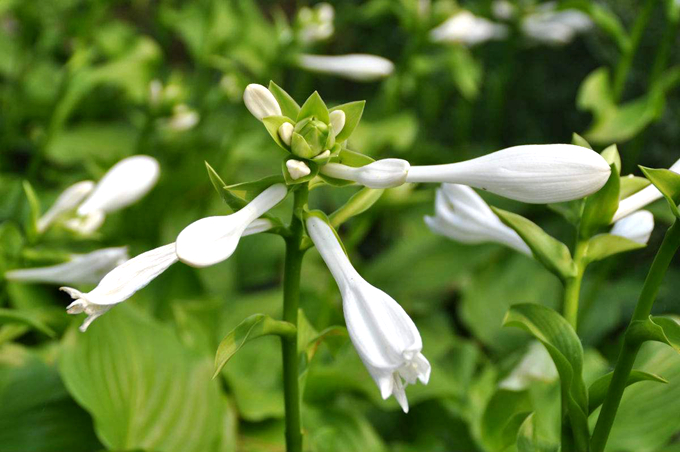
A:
[297,169]
[286,132]
[260,101]
[337,121]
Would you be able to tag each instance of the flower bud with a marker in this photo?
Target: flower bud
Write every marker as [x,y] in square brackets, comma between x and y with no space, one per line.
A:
[286,132]
[315,133]
[468,29]
[637,227]
[386,173]
[260,101]
[297,169]
[359,67]
[337,121]
[66,202]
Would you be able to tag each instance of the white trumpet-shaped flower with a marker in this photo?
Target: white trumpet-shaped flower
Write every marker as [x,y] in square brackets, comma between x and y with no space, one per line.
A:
[66,202]
[638,200]
[384,173]
[637,227]
[466,28]
[462,215]
[260,101]
[384,336]
[536,365]
[359,67]
[532,173]
[79,269]
[124,184]
[213,239]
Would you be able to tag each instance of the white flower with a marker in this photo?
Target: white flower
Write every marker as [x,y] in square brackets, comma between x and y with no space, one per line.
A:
[638,200]
[316,24]
[80,269]
[503,9]
[531,173]
[384,173]
[536,365]
[337,121]
[297,169]
[384,336]
[125,183]
[555,27]
[214,239]
[66,202]
[462,215]
[260,101]
[359,67]
[466,28]
[183,118]
[637,227]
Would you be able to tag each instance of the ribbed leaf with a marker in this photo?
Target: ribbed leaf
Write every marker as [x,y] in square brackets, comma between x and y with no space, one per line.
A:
[598,390]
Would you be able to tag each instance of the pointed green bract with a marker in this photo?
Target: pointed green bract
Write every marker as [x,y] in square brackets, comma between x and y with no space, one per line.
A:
[598,390]
[578,140]
[602,246]
[600,207]
[359,203]
[272,124]
[629,185]
[668,183]
[353,112]
[611,155]
[288,105]
[315,107]
[300,148]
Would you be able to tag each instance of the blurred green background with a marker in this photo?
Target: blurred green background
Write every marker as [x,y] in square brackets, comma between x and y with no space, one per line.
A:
[84,83]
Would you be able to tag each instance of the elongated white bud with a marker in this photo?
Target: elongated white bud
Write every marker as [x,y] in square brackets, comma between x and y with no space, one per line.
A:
[359,67]
[462,215]
[260,101]
[213,239]
[286,132]
[337,121]
[66,202]
[297,169]
[384,173]
[466,28]
[125,183]
[384,336]
[532,173]
[637,227]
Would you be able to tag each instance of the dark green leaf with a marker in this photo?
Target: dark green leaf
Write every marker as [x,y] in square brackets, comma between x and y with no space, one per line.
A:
[668,183]
[353,112]
[598,390]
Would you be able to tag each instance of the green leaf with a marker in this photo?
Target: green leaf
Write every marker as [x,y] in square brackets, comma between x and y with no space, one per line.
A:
[570,210]
[611,155]
[502,418]
[668,183]
[353,112]
[660,329]
[300,147]
[578,140]
[598,390]
[257,325]
[605,19]
[631,184]
[272,124]
[553,254]
[602,246]
[288,105]
[600,207]
[32,319]
[314,107]
[313,167]
[359,203]
[34,210]
[595,92]
[566,350]
[621,123]
[528,439]
[238,195]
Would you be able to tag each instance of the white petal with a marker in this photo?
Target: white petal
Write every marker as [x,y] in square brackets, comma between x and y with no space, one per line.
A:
[86,225]
[66,202]
[337,121]
[466,28]
[537,174]
[297,169]
[386,173]
[124,184]
[211,240]
[260,101]
[359,67]
[81,269]
[637,227]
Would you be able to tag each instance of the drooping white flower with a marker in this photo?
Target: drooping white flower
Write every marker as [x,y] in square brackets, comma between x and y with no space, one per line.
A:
[384,336]
[213,239]
[297,169]
[260,102]
[638,200]
[80,269]
[66,202]
[337,121]
[536,365]
[531,173]
[466,28]
[125,183]
[183,118]
[357,66]
[550,26]
[384,173]
[637,227]
[462,215]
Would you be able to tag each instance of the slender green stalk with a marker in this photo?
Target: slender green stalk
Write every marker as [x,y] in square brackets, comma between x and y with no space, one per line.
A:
[291,298]
[572,288]
[629,351]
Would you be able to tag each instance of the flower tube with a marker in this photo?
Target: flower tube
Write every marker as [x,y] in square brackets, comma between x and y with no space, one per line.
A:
[637,227]
[66,202]
[213,239]
[359,67]
[80,269]
[384,173]
[462,215]
[466,28]
[531,173]
[384,336]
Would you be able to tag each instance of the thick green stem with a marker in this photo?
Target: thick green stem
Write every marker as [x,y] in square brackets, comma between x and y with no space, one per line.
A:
[572,287]
[629,351]
[291,298]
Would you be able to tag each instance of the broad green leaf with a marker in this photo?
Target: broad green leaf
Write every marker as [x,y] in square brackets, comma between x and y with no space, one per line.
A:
[332,429]
[598,390]
[602,246]
[668,183]
[314,106]
[272,124]
[502,418]
[114,141]
[578,140]
[288,105]
[353,112]
[359,203]
[566,350]
[553,254]
[600,207]
[255,326]
[34,210]
[32,319]
[631,184]
[313,167]
[655,328]
[528,439]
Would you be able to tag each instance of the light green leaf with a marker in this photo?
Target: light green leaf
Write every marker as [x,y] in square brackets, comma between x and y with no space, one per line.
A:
[600,207]
[353,112]
[578,140]
[598,390]
[32,319]
[660,329]
[602,246]
[272,124]
[528,439]
[612,156]
[300,147]
[288,105]
[631,184]
[668,183]
[359,203]
[502,418]
[34,210]
[553,254]
[621,123]
[314,106]
[595,92]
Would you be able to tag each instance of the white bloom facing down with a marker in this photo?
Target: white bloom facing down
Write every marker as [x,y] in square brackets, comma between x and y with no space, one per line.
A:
[80,269]
[537,174]
[637,227]
[67,201]
[124,184]
[359,67]
[297,169]
[213,239]
[462,215]
[260,102]
[536,365]
[555,27]
[466,28]
[384,173]
[384,336]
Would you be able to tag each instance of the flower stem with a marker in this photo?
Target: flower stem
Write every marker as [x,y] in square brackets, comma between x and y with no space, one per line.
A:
[629,351]
[291,298]
[572,287]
